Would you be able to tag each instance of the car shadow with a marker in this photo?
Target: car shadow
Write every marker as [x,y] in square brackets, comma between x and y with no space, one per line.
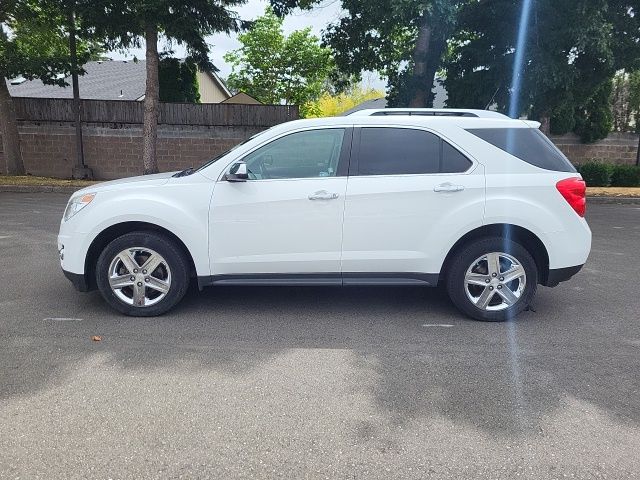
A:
[427,360]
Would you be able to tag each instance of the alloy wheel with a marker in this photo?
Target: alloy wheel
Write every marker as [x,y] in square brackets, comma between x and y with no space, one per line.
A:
[495,281]
[139,276]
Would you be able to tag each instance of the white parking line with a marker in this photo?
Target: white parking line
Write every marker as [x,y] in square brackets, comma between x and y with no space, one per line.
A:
[443,325]
[61,319]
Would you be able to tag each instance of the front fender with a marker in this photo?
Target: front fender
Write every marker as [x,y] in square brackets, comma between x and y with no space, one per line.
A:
[180,209]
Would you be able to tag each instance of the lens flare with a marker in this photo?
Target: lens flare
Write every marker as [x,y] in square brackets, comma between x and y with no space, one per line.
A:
[518,64]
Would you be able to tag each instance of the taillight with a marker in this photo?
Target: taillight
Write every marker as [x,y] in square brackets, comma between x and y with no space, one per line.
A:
[574,191]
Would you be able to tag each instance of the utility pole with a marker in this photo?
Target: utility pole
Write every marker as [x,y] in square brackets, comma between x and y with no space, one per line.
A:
[80,170]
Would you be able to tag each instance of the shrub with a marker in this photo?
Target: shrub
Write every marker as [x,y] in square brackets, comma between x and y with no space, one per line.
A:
[595,174]
[625,176]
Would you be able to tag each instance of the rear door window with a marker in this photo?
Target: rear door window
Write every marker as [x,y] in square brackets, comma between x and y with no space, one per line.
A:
[405,151]
[528,144]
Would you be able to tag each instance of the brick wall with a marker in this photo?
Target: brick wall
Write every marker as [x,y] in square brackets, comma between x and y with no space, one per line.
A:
[617,148]
[115,150]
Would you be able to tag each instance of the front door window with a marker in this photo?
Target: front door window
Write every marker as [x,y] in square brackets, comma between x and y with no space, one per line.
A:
[308,154]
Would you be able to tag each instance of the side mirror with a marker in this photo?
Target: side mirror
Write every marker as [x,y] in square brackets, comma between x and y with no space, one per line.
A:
[237,173]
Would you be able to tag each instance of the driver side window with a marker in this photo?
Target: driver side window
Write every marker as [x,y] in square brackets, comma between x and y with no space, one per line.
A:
[308,154]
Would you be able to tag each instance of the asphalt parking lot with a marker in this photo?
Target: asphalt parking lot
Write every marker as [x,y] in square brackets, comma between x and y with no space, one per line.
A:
[316,383]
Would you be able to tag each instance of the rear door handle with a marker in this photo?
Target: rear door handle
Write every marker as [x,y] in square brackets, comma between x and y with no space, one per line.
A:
[448,187]
[323,195]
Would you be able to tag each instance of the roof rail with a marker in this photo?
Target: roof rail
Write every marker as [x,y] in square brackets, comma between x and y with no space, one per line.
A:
[428,112]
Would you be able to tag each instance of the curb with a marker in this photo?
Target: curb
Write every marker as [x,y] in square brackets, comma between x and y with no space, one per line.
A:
[38,189]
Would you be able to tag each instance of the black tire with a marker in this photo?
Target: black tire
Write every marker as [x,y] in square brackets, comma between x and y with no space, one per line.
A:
[467,255]
[175,258]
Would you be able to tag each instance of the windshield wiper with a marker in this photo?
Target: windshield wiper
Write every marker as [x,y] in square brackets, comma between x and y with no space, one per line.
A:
[184,173]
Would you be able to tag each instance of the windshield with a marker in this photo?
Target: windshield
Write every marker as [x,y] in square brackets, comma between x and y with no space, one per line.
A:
[218,157]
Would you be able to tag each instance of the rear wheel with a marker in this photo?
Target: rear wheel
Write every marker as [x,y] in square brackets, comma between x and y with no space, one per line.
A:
[492,279]
[142,274]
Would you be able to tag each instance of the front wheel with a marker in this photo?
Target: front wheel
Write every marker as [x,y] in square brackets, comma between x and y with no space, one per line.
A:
[492,279]
[142,274]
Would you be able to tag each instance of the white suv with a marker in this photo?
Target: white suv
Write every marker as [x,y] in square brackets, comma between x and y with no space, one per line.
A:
[484,205]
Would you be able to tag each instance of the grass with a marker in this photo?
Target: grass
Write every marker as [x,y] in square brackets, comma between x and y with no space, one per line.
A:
[613,191]
[29,180]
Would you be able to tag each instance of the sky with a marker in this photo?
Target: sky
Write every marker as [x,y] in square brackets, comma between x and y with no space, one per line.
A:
[318,19]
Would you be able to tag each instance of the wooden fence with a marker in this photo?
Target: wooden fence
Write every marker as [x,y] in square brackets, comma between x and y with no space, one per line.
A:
[129,112]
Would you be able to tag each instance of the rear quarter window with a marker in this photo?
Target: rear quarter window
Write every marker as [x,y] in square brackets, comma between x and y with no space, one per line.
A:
[528,144]
[452,161]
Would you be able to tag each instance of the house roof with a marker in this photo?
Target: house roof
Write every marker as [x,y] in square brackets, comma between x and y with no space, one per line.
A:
[108,80]
[103,80]
[375,103]
[243,98]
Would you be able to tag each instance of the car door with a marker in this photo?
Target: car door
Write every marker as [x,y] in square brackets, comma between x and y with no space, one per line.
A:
[287,217]
[410,195]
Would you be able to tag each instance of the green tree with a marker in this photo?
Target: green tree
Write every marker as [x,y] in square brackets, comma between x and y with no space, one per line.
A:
[626,101]
[594,118]
[634,99]
[572,50]
[127,23]
[404,40]
[634,106]
[35,43]
[273,67]
[178,81]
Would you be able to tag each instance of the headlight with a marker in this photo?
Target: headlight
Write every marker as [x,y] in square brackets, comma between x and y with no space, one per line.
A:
[77,203]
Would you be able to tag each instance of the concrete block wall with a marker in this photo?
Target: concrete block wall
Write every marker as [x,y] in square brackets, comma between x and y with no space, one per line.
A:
[617,148]
[115,150]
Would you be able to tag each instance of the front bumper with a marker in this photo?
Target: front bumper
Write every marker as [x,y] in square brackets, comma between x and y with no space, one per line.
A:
[72,250]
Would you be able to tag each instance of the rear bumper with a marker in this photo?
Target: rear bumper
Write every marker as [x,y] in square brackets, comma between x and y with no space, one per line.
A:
[558,275]
[78,280]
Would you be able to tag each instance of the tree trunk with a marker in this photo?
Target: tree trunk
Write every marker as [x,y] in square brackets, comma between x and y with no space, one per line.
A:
[545,123]
[422,86]
[151,102]
[9,131]
[80,170]
[638,152]
[436,49]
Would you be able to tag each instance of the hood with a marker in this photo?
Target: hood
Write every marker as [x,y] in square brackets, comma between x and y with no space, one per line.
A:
[142,180]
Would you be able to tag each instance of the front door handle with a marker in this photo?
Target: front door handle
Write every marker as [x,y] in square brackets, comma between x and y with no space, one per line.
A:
[448,187]
[323,195]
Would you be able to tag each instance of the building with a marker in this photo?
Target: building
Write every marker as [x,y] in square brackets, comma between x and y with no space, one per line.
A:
[115,80]
[243,99]
[439,101]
